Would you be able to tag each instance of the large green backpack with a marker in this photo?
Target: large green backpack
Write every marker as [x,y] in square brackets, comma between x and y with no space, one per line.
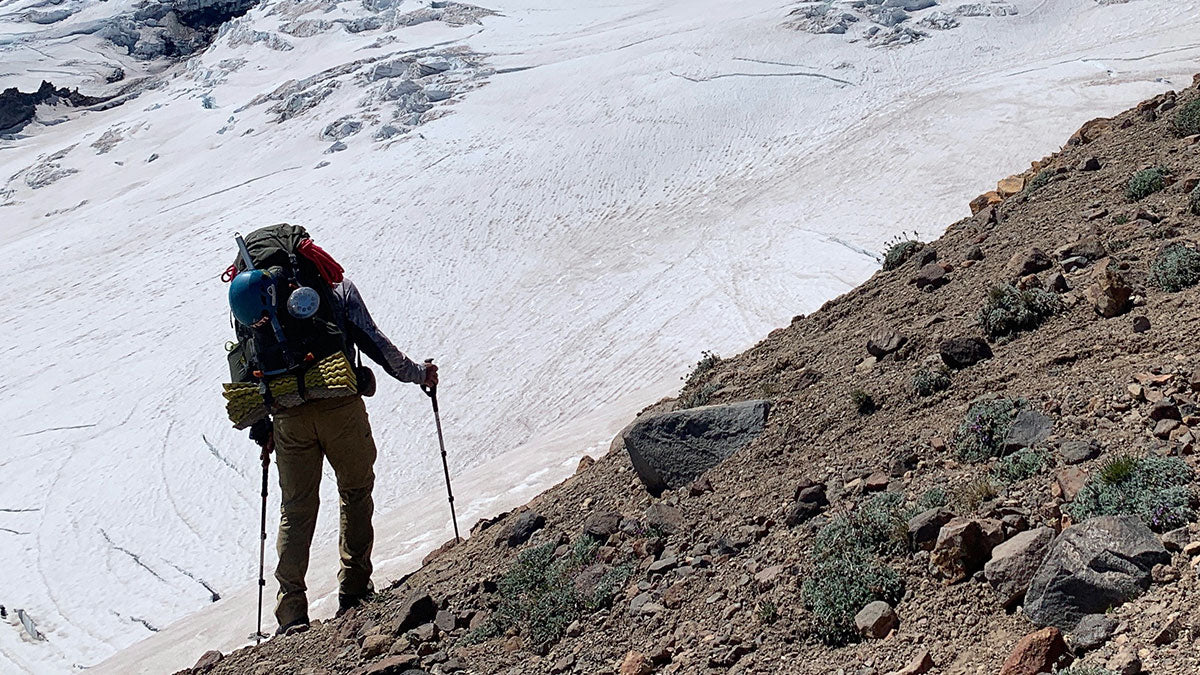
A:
[258,351]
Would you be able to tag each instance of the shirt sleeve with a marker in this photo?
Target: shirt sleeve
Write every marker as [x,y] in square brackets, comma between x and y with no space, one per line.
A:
[372,342]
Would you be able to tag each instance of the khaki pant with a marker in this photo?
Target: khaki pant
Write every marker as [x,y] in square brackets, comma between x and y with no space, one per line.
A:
[337,429]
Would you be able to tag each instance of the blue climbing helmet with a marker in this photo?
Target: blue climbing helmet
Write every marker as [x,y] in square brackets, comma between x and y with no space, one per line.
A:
[252,296]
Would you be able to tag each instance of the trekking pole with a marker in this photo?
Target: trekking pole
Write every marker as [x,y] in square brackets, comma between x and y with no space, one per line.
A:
[431,392]
[262,543]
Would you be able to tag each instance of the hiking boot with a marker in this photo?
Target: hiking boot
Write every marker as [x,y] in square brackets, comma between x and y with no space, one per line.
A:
[291,628]
[347,602]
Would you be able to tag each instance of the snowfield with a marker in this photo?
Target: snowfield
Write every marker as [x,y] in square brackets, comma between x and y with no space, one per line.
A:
[563,202]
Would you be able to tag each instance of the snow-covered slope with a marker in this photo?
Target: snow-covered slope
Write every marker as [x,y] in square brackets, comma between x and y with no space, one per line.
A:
[564,202]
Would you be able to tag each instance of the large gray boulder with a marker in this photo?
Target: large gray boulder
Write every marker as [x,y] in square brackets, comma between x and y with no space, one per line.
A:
[1098,564]
[672,449]
[1014,563]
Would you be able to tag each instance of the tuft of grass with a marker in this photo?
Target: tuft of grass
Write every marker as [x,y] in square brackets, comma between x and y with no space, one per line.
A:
[1146,182]
[1187,120]
[981,434]
[968,498]
[698,397]
[1025,463]
[1156,489]
[538,595]
[1121,219]
[1041,180]
[899,250]
[708,361]
[863,402]
[768,612]
[930,381]
[1009,310]
[1175,268]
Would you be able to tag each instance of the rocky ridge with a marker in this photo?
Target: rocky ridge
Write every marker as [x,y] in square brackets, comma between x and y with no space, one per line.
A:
[984,467]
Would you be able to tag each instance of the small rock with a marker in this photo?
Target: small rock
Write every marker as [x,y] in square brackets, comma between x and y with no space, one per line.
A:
[1093,631]
[207,661]
[1125,662]
[1164,410]
[375,645]
[1109,293]
[1141,324]
[1077,451]
[876,482]
[922,663]
[1039,652]
[1029,428]
[523,527]
[964,545]
[700,486]
[1089,164]
[1169,633]
[924,527]
[963,352]
[1030,262]
[1070,481]
[884,342]
[1163,428]
[1176,539]
[602,524]
[876,620]
[664,517]
[416,609]
[931,277]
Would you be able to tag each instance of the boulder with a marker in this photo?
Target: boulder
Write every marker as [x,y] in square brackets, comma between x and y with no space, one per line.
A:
[1029,428]
[1014,562]
[1109,293]
[417,608]
[664,517]
[963,352]
[884,342]
[522,528]
[1091,567]
[931,277]
[1069,482]
[876,620]
[1040,652]
[207,661]
[924,527]
[672,449]
[964,545]
[602,524]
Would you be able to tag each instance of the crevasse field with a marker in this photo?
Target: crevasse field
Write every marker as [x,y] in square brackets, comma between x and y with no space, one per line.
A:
[601,190]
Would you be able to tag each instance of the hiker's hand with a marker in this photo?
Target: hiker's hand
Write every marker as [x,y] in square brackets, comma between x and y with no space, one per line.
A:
[262,432]
[431,378]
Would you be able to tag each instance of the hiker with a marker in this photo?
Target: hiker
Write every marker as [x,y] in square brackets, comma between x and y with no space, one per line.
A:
[317,428]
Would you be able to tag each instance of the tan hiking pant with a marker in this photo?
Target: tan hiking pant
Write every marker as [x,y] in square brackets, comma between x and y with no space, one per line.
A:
[336,429]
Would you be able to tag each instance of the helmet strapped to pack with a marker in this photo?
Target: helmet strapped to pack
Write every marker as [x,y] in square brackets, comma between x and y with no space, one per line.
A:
[281,296]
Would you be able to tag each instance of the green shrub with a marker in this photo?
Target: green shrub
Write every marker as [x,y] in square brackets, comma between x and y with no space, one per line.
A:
[929,381]
[971,496]
[982,432]
[1175,268]
[1041,180]
[845,579]
[538,595]
[1156,489]
[768,612]
[708,361]
[1146,182]
[1187,120]
[1194,201]
[698,397]
[863,403]
[899,250]
[1009,310]
[933,498]
[1025,463]
[1085,670]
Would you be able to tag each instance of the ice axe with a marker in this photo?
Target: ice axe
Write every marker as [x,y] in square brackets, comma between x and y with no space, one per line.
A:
[431,392]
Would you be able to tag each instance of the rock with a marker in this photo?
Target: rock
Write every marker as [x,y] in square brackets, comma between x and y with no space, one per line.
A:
[924,527]
[1070,481]
[670,450]
[1095,214]
[983,201]
[1176,539]
[1013,185]
[426,632]
[1089,164]
[876,482]
[1141,324]
[1088,248]
[876,620]
[375,645]
[1030,262]
[1164,410]
[922,663]
[207,661]
[522,528]
[336,147]
[799,512]
[1040,652]
[1077,451]
[416,608]
[400,664]
[1169,633]
[963,352]
[1109,293]
[964,545]
[1014,562]
[926,255]
[1091,567]
[884,342]
[1092,631]
[1163,428]
[1125,662]
[1058,283]
[975,253]
[445,621]
[1029,428]
[664,517]
[931,277]
[602,524]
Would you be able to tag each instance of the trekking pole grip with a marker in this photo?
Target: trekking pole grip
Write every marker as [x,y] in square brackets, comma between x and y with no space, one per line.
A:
[430,391]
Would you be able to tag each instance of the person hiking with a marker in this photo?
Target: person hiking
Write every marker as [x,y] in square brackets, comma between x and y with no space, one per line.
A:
[334,428]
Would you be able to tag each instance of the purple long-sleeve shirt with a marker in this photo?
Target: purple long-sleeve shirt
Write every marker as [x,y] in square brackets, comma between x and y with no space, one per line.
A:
[366,336]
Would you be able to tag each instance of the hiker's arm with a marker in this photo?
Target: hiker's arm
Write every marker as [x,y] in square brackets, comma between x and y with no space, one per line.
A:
[367,337]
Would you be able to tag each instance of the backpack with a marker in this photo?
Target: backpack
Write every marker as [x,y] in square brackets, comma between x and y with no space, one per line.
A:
[287,254]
